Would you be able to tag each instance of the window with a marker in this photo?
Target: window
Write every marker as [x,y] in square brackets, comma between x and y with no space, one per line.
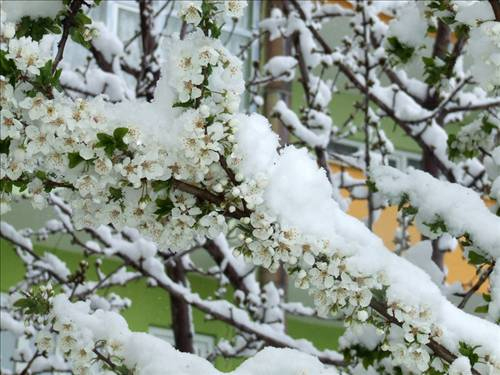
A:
[7,346]
[343,148]
[415,163]
[203,344]
[398,159]
[122,18]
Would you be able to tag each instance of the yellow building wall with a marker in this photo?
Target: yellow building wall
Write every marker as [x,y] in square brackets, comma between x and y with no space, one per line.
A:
[386,225]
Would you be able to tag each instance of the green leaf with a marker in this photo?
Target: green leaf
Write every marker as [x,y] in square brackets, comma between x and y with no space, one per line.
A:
[161,185]
[107,142]
[36,28]
[165,205]
[405,206]
[45,81]
[74,159]
[4,145]
[105,138]
[116,194]
[476,258]
[487,126]
[402,51]
[41,175]
[118,135]
[188,104]
[23,303]
[35,302]
[437,226]
[481,309]
[371,186]
[6,185]
[77,37]
[81,19]
[8,68]
[449,20]
[462,30]
[22,184]
[468,351]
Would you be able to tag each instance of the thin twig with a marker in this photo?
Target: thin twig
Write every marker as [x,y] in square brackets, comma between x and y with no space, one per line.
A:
[67,25]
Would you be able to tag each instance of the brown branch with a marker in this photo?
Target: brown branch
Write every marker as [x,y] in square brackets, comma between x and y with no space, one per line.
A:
[180,309]
[101,61]
[230,272]
[437,348]
[482,279]
[198,192]
[78,90]
[393,77]
[366,108]
[473,107]
[26,371]
[107,66]
[138,33]
[149,73]
[67,24]
[495,4]
[209,197]
[107,361]
[405,125]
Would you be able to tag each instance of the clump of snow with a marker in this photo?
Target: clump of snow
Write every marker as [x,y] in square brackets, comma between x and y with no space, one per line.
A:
[9,232]
[256,142]
[150,355]
[365,335]
[432,197]
[460,366]
[281,67]
[410,27]
[447,242]
[274,24]
[420,255]
[494,305]
[484,49]
[8,323]
[473,12]
[290,120]
[273,361]
[106,42]
[299,193]
[55,265]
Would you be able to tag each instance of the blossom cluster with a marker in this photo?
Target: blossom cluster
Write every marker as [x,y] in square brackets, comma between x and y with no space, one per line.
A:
[107,163]
[78,345]
[179,184]
[191,11]
[474,138]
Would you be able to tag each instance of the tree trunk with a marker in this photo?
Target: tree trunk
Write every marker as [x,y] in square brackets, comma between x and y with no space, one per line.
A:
[275,91]
[440,50]
[181,312]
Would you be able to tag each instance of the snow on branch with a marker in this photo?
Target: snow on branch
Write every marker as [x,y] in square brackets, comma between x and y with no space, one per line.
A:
[291,121]
[466,215]
[107,334]
[188,166]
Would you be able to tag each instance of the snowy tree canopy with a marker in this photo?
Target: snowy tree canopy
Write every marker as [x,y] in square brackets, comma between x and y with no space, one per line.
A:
[152,171]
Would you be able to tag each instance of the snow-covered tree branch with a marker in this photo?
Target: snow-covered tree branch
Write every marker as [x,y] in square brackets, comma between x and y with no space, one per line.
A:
[170,164]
